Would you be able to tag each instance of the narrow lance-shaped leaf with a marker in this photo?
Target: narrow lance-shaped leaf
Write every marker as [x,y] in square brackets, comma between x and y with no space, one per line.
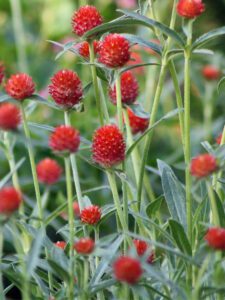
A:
[180,237]
[207,37]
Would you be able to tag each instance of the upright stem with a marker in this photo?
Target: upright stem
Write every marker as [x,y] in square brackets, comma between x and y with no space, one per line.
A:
[19,34]
[212,198]
[2,296]
[71,223]
[32,163]
[95,82]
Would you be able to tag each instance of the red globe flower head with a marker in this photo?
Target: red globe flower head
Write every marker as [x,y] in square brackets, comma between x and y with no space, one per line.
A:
[61,245]
[76,209]
[108,147]
[141,248]
[91,215]
[85,18]
[20,86]
[127,269]
[10,200]
[215,238]
[129,89]
[66,88]
[10,116]
[137,124]
[203,165]
[190,8]
[84,245]
[135,59]
[114,51]
[48,171]
[2,72]
[83,48]
[219,139]
[65,139]
[211,72]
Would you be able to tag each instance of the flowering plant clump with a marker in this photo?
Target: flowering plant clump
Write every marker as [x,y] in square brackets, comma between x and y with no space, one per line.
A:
[112,154]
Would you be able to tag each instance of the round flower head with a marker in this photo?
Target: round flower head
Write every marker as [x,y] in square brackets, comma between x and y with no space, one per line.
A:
[215,238]
[48,171]
[127,269]
[203,165]
[211,73]
[10,116]
[20,86]
[137,124]
[2,72]
[84,246]
[66,88]
[91,215]
[108,147]
[65,139]
[10,200]
[83,48]
[114,51]
[85,18]
[61,245]
[129,89]
[142,247]
[190,8]
[76,209]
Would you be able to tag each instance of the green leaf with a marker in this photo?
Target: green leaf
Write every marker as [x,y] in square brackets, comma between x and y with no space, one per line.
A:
[220,210]
[142,42]
[221,84]
[131,67]
[207,37]
[152,23]
[60,271]
[44,101]
[6,98]
[41,126]
[174,193]
[55,213]
[180,237]
[167,116]
[154,206]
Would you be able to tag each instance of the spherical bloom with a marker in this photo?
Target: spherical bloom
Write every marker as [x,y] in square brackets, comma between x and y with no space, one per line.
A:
[10,116]
[211,72]
[129,89]
[85,18]
[135,59]
[10,200]
[215,238]
[2,72]
[48,171]
[137,124]
[91,215]
[114,51]
[108,148]
[84,245]
[83,48]
[61,245]
[141,248]
[64,139]
[66,88]
[219,138]
[20,86]
[76,209]
[127,269]
[203,165]
[190,8]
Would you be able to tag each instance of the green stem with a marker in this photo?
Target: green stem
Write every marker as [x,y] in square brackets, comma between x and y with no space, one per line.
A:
[119,101]
[2,296]
[19,34]
[95,82]
[32,163]
[215,213]
[199,278]
[103,102]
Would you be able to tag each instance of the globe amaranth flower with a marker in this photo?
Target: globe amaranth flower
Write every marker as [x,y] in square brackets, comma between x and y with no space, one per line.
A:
[10,200]
[114,51]
[20,86]
[215,237]
[91,215]
[108,147]
[143,248]
[84,245]
[203,165]
[137,124]
[127,269]
[190,8]
[85,18]
[10,116]
[129,89]
[66,88]
[48,171]
[210,73]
